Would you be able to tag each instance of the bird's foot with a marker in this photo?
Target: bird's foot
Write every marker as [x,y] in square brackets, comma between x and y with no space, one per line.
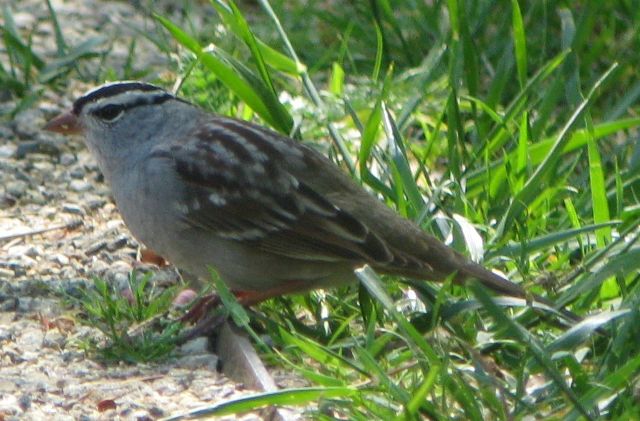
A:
[201,308]
[205,326]
[204,317]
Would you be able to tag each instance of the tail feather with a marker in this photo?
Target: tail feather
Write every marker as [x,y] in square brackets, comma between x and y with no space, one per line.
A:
[491,280]
[501,285]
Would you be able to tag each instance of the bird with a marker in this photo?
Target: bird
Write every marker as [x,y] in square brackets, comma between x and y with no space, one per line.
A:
[271,215]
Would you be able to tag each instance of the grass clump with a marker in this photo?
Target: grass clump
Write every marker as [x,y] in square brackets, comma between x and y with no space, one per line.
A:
[133,322]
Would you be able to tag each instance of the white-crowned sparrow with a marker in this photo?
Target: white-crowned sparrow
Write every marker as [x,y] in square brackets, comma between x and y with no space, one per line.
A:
[271,215]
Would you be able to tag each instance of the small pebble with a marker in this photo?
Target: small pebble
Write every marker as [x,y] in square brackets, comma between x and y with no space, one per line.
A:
[93,204]
[7,201]
[72,209]
[45,167]
[54,339]
[35,197]
[25,401]
[140,415]
[95,247]
[121,266]
[120,280]
[157,412]
[79,185]
[28,262]
[18,268]
[6,273]
[73,287]
[98,267]
[27,123]
[102,189]
[67,159]
[61,259]
[196,346]
[77,172]
[198,361]
[7,151]
[36,146]
[8,305]
[114,223]
[5,132]
[21,250]
[16,188]
[25,304]
[118,243]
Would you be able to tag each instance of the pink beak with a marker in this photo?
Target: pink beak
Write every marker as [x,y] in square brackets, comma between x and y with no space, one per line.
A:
[65,123]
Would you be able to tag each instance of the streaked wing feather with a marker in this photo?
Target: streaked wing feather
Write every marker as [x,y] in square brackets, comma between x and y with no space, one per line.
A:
[236,193]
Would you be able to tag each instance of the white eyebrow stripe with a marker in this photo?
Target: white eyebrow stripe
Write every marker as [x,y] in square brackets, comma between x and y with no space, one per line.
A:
[113,90]
[129,100]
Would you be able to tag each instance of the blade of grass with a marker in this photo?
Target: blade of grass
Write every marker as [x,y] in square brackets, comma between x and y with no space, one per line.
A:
[14,43]
[584,330]
[608,386]
[336,82]
[538,152]
[69,60]
[519,42]
[546,241]
[61,44]
[375,370]
[621,263]
[379,52]
[529,191]
[233,19]
[300,396]
[227,74]
[400,162]
[420,393]
[496,140]
[321,354]
[427,72]
[310,87]
[370,280]
[251,42]
[537,350]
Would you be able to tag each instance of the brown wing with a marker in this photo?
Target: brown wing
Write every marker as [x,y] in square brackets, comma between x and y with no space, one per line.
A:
[238,189]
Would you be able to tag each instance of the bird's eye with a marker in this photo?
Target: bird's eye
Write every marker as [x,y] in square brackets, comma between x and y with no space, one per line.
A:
[110,112]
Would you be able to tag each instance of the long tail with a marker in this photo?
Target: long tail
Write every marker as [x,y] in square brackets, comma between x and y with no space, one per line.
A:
[501,285]
[491,280]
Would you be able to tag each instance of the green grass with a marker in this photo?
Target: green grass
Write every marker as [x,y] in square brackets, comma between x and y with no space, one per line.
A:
[134,323]
[27,72]
[510,130]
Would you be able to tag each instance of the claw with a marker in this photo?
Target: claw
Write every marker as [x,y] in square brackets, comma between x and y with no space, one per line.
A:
[203,307]
[204,327]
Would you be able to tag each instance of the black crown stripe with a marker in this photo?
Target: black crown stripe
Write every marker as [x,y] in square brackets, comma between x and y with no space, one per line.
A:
[110,90]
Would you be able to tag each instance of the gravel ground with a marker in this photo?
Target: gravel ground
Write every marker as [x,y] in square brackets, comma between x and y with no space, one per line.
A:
[49,182]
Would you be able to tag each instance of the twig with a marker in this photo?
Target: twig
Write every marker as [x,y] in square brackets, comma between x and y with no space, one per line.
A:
[70,225]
